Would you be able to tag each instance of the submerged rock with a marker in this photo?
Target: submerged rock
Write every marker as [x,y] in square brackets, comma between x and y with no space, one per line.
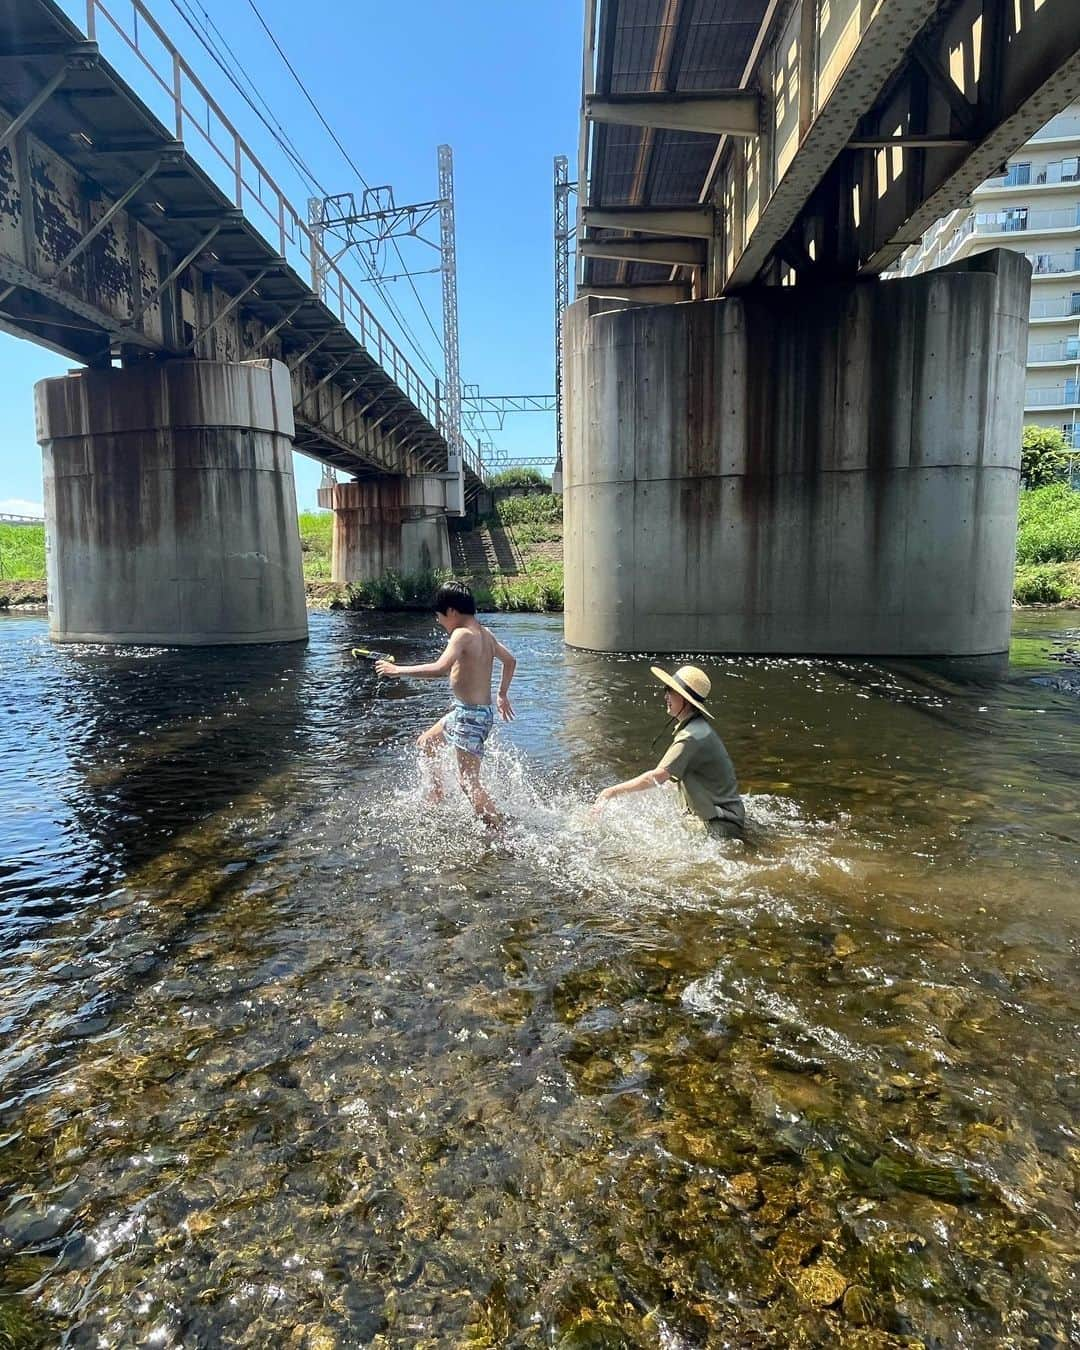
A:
[858,1305]
[819,1285]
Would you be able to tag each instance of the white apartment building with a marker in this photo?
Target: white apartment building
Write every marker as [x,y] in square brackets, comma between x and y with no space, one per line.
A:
[1035,209]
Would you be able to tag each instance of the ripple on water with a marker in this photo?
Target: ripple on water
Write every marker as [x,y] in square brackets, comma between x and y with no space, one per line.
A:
[290,1057]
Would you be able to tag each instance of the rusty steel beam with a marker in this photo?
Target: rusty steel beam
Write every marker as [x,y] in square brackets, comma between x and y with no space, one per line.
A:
[325,380]
[117,206]
[285,318]
[881,50]
[233,304]
[143,304]
[735,112]
[40,98]
[685,252]
[691,222]
[294,366]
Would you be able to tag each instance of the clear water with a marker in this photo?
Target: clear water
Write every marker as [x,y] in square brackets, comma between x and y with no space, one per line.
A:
[288,1059]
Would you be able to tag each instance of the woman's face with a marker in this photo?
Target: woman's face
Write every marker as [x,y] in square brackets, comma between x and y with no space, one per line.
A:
[675,703]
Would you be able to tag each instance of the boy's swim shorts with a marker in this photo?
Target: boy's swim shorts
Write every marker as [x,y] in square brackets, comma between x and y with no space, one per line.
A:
[468,725]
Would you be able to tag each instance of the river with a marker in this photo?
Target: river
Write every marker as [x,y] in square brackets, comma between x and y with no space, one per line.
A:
[288,1059]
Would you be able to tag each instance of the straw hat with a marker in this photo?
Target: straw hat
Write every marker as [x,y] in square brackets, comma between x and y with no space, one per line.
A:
[689,683]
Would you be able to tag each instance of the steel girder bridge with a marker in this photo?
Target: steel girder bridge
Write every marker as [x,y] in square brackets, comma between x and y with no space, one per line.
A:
[116,244]
[729,143]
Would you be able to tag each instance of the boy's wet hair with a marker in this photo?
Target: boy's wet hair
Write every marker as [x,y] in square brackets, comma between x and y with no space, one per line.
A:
[454,595]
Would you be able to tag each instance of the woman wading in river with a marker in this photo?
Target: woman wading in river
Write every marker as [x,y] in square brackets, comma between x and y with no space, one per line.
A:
[696,758]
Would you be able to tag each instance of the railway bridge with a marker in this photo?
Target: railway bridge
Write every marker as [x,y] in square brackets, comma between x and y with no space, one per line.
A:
[769,448]
[213,334]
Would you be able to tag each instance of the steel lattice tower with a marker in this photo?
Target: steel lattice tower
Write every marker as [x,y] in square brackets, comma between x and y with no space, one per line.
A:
[451,402]
[563,232]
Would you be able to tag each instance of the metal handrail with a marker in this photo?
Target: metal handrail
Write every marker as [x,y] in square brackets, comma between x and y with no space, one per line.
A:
[290,227]
[1056,396]
[1064,307]
[1064,124]
[1054,351]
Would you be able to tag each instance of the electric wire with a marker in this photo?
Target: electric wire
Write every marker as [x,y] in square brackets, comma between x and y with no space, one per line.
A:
[345,154]
[292,154]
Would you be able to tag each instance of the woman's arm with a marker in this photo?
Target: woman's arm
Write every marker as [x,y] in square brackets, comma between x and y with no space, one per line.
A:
[652,778]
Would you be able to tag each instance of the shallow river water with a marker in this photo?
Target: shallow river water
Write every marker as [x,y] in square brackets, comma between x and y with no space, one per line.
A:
[289,1059]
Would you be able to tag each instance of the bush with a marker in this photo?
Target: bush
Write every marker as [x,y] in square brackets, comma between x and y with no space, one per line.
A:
[529,510]
[537,532]
[22,552]
[1049,525]
[528,594]
[316,534]
[1047,584]
[1043,456]
[518,478]
[397,590]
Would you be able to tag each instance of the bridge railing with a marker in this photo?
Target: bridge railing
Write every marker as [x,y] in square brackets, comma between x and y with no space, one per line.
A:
[239,172]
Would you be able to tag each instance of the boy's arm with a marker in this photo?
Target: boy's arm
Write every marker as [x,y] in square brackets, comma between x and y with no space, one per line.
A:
[431,670]
[509,665]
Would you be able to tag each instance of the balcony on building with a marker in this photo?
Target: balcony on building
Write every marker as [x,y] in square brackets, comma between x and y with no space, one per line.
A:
[1065,395]
[1064,127]
[1052,311]
[1030,174]
[1064,352]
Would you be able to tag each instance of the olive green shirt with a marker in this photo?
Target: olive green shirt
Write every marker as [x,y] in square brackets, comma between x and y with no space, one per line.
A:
[703,770]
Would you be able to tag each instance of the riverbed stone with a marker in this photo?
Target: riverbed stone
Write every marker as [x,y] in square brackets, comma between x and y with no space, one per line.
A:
[819,1285]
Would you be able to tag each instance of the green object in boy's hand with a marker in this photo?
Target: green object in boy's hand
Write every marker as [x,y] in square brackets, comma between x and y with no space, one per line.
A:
[366,654]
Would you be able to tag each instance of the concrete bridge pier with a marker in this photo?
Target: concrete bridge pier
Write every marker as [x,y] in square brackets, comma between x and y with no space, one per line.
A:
[393,524]
[827,469]
[170,507]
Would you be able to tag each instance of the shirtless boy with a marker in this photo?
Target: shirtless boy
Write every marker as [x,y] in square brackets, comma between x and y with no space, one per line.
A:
[468,660]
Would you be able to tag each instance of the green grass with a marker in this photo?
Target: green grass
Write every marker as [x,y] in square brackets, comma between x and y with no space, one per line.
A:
[22,552]
[1049,525]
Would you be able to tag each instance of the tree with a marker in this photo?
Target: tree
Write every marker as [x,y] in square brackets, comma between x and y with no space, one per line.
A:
[519,477]
[1043,456]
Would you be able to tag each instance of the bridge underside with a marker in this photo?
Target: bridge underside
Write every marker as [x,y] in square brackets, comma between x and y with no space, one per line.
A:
[777,472]
[118,250]
[726,145]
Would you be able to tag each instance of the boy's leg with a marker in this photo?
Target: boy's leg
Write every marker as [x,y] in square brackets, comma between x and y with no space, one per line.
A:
[469,778]
[429,743]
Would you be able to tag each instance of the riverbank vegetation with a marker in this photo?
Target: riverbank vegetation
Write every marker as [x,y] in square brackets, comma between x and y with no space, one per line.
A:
[22,552]
[1047,558]
[1048,546]
[538,592]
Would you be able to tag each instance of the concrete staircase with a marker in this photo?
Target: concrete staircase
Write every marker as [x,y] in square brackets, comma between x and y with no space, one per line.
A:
[487,551]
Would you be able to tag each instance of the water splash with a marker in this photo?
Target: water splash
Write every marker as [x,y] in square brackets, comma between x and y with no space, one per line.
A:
[641,850]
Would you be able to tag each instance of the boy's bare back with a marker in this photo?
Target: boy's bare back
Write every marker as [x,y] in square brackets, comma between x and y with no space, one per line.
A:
[473,648]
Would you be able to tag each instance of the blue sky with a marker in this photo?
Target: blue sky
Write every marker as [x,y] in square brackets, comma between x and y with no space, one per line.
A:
[497,81]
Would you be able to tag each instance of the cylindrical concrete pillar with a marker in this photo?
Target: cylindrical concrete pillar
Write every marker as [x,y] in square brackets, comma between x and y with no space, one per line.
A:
[169,504]
[385,525]
[807,470]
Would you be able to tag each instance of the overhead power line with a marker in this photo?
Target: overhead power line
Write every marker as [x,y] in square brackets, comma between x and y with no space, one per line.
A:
[288,148]
[345,154]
